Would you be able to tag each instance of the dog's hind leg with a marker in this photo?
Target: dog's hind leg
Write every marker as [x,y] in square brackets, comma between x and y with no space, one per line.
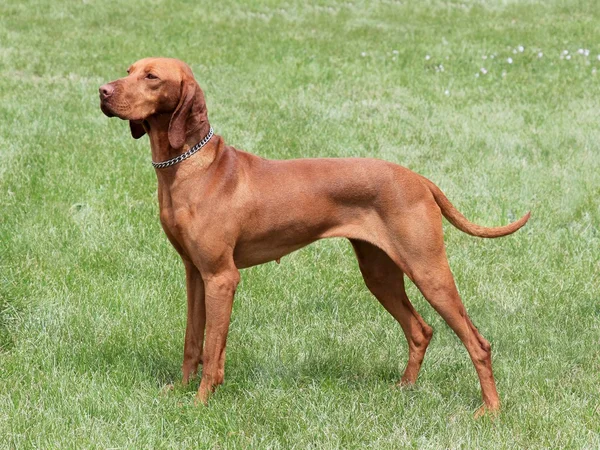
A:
[385,280]
[422,254]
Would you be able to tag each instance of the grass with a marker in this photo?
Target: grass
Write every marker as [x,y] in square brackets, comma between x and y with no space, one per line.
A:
[92,306]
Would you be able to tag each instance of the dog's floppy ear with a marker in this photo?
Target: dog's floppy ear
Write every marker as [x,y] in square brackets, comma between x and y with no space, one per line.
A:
[137,129]
[177,126]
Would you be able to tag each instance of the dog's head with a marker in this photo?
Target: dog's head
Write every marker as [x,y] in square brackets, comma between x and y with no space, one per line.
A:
[152,87]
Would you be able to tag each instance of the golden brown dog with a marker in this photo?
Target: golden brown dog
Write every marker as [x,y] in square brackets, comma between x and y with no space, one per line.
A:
[224,210]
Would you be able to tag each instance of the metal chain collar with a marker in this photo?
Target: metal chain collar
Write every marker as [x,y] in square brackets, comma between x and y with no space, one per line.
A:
[186,155]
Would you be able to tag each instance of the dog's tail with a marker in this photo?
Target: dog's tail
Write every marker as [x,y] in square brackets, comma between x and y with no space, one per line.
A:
[462,223]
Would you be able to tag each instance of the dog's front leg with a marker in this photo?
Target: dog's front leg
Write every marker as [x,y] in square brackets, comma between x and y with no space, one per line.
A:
[219,292]
[196,318]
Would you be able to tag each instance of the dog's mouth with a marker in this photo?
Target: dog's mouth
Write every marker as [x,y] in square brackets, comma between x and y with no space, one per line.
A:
[106,109]
[112,110]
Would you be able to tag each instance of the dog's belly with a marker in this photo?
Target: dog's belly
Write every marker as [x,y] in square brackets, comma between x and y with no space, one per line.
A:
[253,254]
[275,242]
[261,244]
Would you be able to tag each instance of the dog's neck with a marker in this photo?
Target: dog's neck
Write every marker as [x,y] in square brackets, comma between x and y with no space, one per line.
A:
[158,132]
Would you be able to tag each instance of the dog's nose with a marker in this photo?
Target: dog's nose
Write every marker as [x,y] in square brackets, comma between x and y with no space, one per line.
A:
[106,90]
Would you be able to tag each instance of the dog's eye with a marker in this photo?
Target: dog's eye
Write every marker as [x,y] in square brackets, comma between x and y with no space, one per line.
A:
[151,76]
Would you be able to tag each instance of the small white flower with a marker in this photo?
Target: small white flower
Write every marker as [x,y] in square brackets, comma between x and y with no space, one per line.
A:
[483,70]
[568,57]
[484,57]
[540,54]
[363,54]
[521,48]
[509,60]
[447,92]
[586,52]
[477,75]
[598,57]
[515,51]
[395,52]
[441,68]
[427,57]
[492,56]
[565,52]
[594,71]
[580,51]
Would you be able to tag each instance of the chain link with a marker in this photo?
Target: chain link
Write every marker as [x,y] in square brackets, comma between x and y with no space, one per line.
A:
[186,155]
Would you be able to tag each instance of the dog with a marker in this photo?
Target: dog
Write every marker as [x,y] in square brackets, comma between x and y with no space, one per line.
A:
[223,210]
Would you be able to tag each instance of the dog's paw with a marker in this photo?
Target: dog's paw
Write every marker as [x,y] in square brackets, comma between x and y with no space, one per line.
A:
[405,383]
[201,400]
[486,411]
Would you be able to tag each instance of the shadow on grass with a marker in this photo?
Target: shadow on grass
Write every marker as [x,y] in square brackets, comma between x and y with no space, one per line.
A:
[319,369]
[127,363]
[165,368]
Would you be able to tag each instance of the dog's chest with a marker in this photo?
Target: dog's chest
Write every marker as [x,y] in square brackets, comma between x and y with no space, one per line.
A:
[171,229]
[176,216]
[168,221]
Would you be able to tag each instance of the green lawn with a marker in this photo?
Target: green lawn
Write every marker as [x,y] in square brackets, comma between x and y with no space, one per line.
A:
[92,298]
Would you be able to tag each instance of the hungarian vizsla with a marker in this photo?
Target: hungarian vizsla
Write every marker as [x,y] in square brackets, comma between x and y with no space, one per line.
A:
[224,210]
